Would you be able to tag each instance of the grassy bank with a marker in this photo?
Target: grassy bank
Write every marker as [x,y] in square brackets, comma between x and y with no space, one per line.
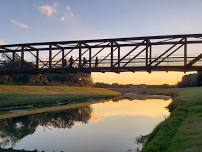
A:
[31,111]
[12,96]
[182,131]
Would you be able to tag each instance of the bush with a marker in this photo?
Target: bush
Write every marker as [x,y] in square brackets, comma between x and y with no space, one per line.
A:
[190,80]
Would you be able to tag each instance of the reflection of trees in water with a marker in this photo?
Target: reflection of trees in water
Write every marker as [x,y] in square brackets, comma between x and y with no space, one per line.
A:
[13,130]
[65,119]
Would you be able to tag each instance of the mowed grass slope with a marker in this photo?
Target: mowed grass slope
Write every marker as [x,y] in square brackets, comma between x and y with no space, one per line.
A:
[182,131]
[35,95]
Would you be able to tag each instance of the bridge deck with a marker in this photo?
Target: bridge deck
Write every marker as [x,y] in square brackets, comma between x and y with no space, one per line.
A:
[153,53]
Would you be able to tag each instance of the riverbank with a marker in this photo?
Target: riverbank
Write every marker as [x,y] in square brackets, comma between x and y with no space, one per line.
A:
[31,111]
[35,96]
[182,131]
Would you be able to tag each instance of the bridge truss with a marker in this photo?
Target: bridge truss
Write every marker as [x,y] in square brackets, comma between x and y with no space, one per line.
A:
[151,53]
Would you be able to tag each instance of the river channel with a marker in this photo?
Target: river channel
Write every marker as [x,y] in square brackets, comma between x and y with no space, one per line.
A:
[108,126]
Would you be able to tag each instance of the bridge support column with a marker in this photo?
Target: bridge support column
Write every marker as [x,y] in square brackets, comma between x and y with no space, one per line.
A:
[118,56]
[13,58]
[150,59]
[147,53]
[37,59]
[112,56]
[63,57]
[185,51]
[150,54]
[22,55]
[50,56]
[80,56]
[89,58]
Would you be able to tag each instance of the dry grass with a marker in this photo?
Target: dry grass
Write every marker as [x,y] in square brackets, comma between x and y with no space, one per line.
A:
[9,89]
[15,96]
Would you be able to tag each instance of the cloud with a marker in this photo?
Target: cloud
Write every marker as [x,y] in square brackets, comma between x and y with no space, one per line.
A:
[19,24]
[69,10]
[48,9]
[62,18]
[2,41]
[63,13]
[66,14]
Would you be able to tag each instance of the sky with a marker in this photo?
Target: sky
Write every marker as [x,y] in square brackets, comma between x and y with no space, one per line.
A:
[53,20]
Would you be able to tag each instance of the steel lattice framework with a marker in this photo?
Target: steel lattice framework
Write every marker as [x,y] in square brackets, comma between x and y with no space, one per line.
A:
[151,53]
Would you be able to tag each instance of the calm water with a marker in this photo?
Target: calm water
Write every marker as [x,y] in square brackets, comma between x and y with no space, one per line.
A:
[101,127]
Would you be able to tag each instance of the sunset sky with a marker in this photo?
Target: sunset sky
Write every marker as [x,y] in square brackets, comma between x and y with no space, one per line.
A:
[54,20]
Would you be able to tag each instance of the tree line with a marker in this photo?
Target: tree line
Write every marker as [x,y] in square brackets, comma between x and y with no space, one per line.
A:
[7,63]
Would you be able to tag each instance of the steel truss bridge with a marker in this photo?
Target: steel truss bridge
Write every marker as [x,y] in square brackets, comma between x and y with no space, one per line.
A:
[151,53]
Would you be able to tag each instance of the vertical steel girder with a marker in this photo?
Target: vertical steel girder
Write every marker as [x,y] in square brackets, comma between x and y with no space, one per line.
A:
[50,57]
[185,51]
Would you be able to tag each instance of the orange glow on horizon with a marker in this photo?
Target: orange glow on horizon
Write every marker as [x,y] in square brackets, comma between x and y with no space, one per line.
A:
[154,78]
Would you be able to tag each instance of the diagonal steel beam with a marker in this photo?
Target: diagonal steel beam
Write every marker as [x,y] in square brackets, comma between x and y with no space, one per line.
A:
[83,54]
[130,52]
[7,56]
[44,64]
[100,51]
[106,56]
[196,59]
[169,55]
[156,59]
[134,57]
[56,54]
[65,55]
[9,50]
[59,47]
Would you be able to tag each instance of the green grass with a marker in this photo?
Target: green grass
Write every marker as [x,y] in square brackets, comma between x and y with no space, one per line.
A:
[182,131]
[11,96]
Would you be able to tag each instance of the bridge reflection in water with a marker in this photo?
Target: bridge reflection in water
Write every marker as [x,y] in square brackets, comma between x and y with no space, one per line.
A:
[152,53]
